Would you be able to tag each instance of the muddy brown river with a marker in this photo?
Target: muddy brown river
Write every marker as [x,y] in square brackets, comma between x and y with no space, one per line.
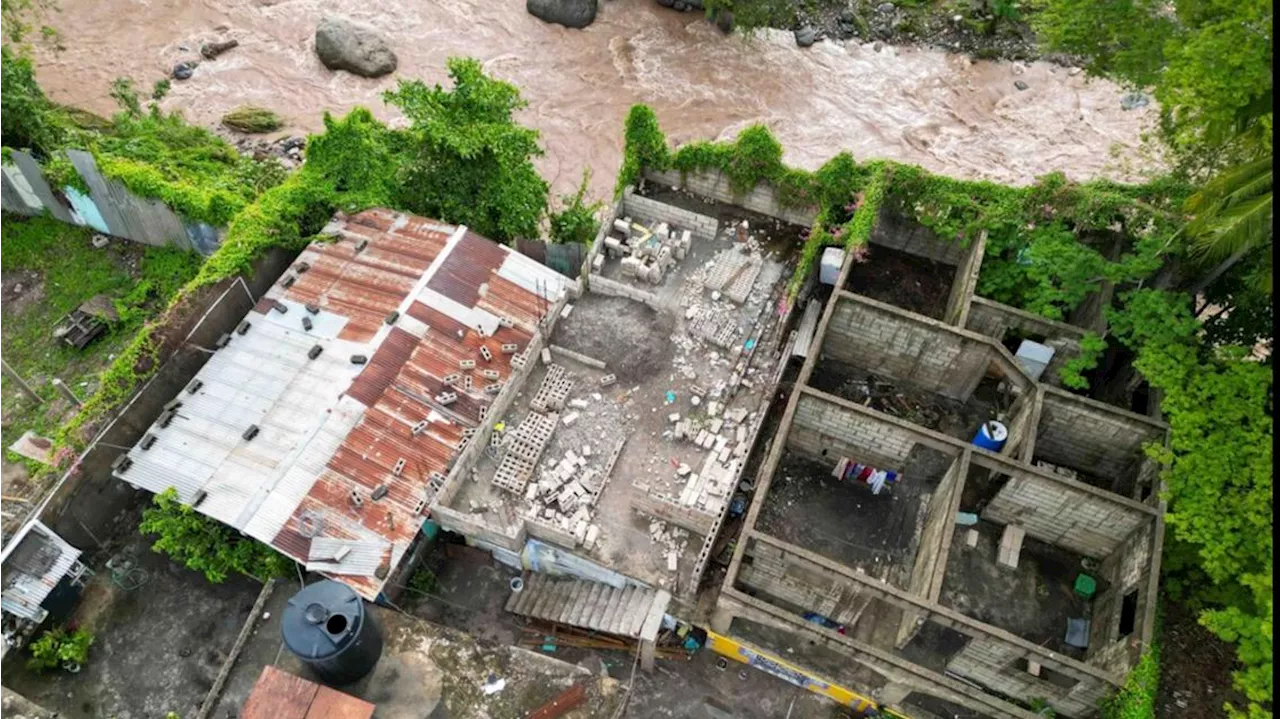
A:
[945,112]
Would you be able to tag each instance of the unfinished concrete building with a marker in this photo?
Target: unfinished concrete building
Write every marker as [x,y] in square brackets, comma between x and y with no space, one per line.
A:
[885,548]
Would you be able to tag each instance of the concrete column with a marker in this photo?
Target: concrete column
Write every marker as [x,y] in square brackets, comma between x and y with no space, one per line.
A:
[648,648]
[722,616]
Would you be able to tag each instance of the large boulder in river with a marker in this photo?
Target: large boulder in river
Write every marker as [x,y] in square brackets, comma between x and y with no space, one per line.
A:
[358,49]
[570,13]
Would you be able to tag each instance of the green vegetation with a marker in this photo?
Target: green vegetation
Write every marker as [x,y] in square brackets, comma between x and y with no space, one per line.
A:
[252,119]
[63,270]
[207,545]
[468,161]
[1209,65]
[1071,373]
[27,118]
[422,581]
[750,15]
[59,647]
[1137,698]
[576,220]
[1045,243]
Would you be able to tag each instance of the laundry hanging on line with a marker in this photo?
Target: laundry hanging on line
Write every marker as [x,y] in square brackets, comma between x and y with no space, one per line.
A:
[875,478]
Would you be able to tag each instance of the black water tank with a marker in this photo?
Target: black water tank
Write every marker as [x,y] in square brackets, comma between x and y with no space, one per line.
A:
[326,626]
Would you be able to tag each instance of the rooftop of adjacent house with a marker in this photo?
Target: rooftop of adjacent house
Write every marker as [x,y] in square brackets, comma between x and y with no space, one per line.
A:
[325,423]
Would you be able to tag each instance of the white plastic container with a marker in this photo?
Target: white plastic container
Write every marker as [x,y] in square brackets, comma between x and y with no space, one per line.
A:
[829,268]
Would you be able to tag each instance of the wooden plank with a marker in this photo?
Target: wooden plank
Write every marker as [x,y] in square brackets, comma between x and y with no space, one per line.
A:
[561,703]
[333,704]
[279,695]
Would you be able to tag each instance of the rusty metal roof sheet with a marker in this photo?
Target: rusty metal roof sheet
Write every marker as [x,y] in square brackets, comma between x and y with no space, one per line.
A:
[348,451]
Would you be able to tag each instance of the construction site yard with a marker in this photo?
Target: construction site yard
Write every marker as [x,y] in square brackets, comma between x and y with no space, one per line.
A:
[669,408]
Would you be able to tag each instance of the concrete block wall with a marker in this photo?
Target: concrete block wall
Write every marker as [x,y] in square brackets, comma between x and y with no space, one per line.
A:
[669,509]
[474,527]
[964,282]
[466,460]
[1092,437]
[650,212]
[613,288]
[996,320]
[1019,423]
[906,347]
[1067,516]
[1125,570]
[793,580]
[715,186]
[822,425]
[913,238]
[939,513]
[994,664]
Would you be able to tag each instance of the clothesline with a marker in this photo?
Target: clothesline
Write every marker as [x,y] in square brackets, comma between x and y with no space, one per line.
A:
[875,478]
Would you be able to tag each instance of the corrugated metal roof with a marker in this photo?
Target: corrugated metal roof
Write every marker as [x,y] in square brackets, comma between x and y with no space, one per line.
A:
[34,562]
[333,434]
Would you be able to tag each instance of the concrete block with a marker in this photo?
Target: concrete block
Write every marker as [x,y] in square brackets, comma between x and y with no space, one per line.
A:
[971,538]
[592,535]
[570,418]
[546,356]
[673,561]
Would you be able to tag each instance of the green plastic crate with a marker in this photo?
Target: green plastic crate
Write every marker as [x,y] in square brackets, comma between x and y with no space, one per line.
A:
[1086,586]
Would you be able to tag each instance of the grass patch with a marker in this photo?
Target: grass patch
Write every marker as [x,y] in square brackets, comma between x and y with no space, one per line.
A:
[59,269]
[252,119]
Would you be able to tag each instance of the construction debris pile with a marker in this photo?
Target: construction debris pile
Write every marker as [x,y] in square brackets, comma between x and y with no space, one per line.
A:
[646,254]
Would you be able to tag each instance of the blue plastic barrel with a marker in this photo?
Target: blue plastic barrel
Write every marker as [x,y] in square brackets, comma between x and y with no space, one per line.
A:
[991,436]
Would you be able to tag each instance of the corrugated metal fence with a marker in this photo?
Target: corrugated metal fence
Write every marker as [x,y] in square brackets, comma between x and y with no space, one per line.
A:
[109,208]
[563,258]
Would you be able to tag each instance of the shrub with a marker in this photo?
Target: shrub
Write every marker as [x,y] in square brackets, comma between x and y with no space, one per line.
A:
[576,221]
[207,545]
[59,647]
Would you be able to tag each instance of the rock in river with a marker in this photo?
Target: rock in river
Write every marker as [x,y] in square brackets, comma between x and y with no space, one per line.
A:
[358,49]
[806,36]
[570,13]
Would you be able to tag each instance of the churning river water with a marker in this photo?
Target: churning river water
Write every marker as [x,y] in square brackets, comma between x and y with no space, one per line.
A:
[945,112]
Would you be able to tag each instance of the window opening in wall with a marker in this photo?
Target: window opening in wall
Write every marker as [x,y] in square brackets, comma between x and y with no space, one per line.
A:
[1045,673]
[1128,613]
[1013,338]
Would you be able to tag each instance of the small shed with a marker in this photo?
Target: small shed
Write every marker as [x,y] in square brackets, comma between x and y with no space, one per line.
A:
[41,573]
[280,695]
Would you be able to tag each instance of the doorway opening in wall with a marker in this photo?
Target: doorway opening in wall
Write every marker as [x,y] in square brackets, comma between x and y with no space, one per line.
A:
[1128,613]
[1140,400]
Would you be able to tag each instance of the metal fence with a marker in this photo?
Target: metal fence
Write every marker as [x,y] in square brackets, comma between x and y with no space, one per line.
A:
[109,208]
[563,258]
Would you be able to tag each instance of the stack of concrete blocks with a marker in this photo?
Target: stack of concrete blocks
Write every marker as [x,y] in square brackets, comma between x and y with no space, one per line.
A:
[523,446]
[648,255]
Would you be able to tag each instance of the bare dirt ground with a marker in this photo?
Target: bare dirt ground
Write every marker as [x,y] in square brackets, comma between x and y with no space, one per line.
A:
[1195,668]
[902,280]
[157,648]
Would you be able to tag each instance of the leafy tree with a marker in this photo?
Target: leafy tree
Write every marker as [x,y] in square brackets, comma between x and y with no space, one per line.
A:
[644,146]
[1232,217]
[359,156]
[206,545]
[27,118]
[576,220]
[1219,407]
[469,162]
[1209,62]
